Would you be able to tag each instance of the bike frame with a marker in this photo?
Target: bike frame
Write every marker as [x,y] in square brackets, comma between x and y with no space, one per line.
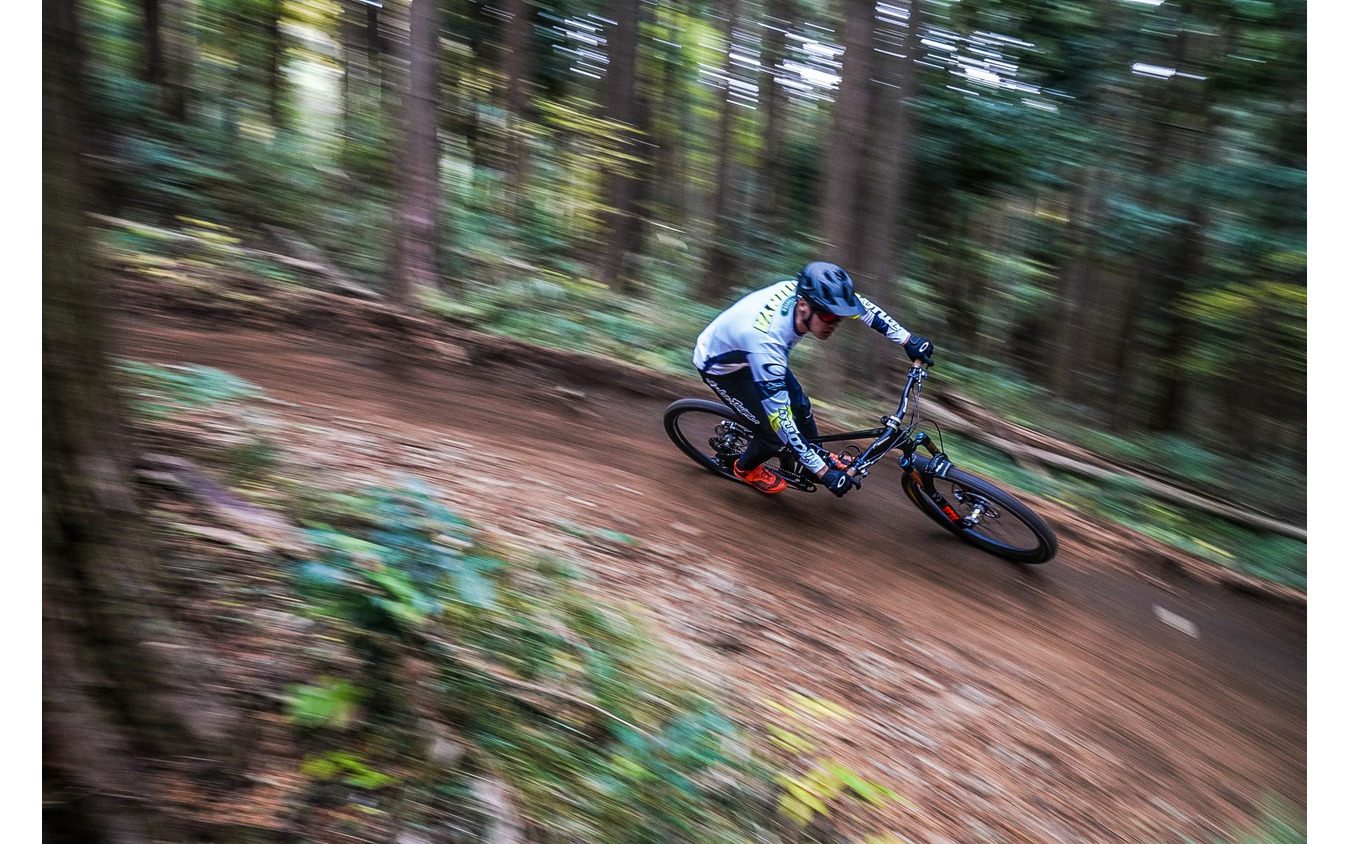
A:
[893,434]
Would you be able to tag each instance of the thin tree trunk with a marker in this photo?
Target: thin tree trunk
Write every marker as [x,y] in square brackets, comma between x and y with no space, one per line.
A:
[621,106]
[179,56]
[719,268]
[415,248]
[276,51]
[848,130]
[674,188]
[844,176]
[1141,292]
[154,44]
[885,170]
[1074,284]
[517,65]
[902,227]
[779,15]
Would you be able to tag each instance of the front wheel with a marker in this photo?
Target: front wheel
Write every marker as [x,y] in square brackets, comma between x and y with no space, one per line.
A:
[983,515]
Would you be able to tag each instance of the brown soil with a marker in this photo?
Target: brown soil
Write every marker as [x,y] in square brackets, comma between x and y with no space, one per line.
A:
[1105,696]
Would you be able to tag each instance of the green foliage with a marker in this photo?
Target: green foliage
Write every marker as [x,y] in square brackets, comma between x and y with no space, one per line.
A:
[1272,557]
[219,409]
[346,768]
[815,784]
[1275,312]
[161,391]
[207,259]
[556,309]
[331,704]
[569,701]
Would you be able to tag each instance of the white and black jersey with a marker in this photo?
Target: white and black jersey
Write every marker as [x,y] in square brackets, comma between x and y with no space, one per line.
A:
[757,333]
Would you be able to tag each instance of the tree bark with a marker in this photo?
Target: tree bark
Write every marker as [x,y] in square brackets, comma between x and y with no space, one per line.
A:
[416,242]
[107,713]
[1074,285]
[845,171]
[621,106]
[517,67]
[884,171]
[672,119]
[276,52]
[719,266]
[179,57]
[779,15]
[848,131]
[1141,291]
[154,44]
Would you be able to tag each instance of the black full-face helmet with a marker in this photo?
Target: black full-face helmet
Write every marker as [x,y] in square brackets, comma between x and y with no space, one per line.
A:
[828,288]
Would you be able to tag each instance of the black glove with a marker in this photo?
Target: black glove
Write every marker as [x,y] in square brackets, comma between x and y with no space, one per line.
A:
[839,482]
[919,349]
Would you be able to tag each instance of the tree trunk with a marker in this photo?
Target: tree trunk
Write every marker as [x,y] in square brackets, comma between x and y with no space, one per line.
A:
[179,56]
[621,106]
[845,172]
[900,204]
[154,44]
[884,172]
[673,121]
[276,53]
[848,131]
[779,15]
[416,241]
[1074,284]
[107,719]
[517,67]
[719,266]
[1141,293]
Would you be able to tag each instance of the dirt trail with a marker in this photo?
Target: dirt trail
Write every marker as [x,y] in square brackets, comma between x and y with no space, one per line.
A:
[1078,701]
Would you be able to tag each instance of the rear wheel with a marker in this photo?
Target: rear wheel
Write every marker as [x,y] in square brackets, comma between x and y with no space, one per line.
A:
[709,432]
[984,515]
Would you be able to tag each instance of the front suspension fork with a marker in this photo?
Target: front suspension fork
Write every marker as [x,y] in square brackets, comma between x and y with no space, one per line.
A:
[935,465]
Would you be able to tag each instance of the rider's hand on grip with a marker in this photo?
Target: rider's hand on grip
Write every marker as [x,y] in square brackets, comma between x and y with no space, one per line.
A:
[839,482]
[919,349]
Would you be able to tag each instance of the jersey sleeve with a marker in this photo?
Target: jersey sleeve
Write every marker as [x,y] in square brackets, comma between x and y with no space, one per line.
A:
[882,323]
[769,373]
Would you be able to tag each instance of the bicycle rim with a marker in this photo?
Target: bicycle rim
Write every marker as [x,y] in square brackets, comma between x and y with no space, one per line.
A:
[707,432]
[986,516]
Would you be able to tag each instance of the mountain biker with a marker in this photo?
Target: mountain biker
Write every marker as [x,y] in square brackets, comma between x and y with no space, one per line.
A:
[742,355]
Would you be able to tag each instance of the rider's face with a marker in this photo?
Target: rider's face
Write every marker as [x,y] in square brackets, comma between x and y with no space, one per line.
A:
[820,328]
[809,320]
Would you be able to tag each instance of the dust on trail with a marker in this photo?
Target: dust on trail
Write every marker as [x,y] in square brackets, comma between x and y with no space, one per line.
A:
[1077,701]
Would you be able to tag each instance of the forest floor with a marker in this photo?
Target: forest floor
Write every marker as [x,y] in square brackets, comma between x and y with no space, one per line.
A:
[1110,695]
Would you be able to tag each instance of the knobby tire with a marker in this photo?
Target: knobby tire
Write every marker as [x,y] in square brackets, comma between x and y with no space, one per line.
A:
[689,423]
[1037,543]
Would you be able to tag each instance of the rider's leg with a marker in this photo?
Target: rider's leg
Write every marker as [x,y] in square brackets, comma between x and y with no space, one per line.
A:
[801,408]
[738,391]
[806,422]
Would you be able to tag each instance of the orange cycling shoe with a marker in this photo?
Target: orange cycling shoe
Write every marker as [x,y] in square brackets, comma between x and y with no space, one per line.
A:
[763,479]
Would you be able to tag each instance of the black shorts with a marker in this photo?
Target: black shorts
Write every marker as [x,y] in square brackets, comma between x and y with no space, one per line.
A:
[739,391]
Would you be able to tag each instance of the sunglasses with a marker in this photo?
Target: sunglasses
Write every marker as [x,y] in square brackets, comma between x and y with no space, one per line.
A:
[827,317]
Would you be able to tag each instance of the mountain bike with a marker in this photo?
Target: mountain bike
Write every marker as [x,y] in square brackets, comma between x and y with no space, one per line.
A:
[981,513]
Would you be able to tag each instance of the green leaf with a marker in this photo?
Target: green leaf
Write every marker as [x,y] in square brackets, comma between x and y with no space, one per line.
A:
[331,704]
[475,590]
[803,794]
